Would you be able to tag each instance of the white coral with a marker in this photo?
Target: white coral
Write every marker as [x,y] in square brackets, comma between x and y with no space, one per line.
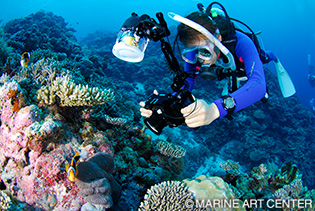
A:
[70,94]
[5,201]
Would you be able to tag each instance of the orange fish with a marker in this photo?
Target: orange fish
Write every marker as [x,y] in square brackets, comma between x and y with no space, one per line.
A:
[25,59]
[72,169]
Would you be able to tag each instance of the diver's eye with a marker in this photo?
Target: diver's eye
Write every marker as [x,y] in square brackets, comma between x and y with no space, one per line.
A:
[204,52]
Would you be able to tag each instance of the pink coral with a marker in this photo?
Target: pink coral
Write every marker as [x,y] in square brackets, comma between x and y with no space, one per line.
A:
[33,151]
[32,156]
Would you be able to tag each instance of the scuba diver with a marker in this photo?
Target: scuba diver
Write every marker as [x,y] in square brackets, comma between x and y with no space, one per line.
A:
[211,47]
[311,71]
[203,56]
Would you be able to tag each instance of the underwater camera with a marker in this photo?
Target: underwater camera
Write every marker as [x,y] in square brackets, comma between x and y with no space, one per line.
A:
[166,110]
[130,46]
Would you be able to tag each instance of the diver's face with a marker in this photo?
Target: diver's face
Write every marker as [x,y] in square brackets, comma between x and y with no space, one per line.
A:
[208,48]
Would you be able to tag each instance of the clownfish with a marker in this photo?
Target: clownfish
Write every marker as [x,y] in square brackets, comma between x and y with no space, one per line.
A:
[25,59]
[72,169]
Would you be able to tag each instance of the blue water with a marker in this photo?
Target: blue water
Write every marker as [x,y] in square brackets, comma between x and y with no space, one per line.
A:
[288,26]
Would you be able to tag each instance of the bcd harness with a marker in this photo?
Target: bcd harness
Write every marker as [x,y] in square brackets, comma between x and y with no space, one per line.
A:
[229,40]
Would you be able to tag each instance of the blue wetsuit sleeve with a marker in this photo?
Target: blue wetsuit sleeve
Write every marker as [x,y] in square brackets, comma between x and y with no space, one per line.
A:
[255,88]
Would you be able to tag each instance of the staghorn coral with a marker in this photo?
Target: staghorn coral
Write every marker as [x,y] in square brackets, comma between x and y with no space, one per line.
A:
[65,92]
[168,196]
[5,201]
[231,167]
[115,120]
[169,149]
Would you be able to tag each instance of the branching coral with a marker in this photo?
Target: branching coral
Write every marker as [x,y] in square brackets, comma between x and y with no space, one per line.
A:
[170,195]
[169,149]
[5,201]
[290,191]
[4,78]
[43,72]
[231,167]
[65,92]
[115,120]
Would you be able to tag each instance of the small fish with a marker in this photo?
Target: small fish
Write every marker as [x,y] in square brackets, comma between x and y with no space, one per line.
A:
[25,59]
[72,169]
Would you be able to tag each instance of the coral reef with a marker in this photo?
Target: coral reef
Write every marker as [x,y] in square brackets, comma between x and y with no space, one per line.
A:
[48,202]
[170,149]
[4,49]
[5,201]
[115,120]
[290,191]
[170,195]
[33,150]
[42,30]
[232,168]
[205,187]
[65,92]
[36,139]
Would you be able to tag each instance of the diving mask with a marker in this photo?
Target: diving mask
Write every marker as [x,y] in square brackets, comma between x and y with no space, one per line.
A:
[215,41]
[204,53]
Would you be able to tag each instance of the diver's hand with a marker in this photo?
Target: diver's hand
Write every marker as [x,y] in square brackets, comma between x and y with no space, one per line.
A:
[146,112]
[200,113]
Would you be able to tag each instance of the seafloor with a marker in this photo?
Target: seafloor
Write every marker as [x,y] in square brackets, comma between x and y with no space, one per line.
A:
[77,97]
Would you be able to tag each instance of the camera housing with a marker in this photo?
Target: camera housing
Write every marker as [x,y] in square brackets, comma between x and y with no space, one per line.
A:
[166,110]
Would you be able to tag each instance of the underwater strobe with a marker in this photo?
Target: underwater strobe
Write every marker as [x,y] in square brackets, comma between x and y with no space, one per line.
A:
[130,46]
[135,34]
